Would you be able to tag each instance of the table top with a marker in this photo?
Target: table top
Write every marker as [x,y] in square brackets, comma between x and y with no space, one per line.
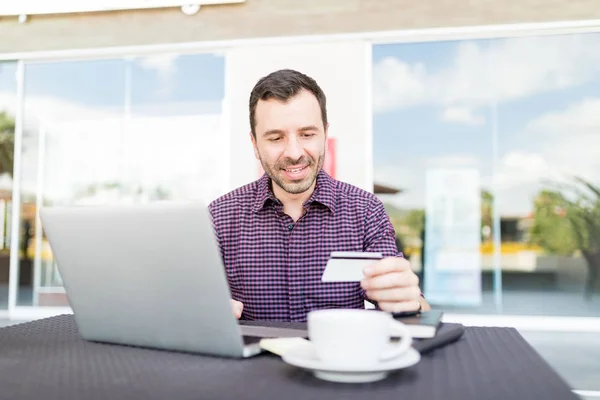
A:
[48,359]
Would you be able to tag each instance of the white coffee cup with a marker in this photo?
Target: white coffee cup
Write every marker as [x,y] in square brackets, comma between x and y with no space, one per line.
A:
[356,338]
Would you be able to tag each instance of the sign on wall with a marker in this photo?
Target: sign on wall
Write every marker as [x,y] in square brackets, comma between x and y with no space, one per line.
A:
[33,7]
[452,242]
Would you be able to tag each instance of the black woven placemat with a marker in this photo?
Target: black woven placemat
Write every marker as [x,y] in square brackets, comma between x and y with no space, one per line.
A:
[46,359]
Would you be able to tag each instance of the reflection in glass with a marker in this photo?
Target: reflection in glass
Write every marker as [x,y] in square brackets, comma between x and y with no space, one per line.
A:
[59,93]
[528,123]
[434,143]
[549,180]
[118,131]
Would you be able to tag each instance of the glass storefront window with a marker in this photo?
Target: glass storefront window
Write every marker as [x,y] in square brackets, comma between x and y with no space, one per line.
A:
[492,145]
[133,130]
[436,149]
[549,173]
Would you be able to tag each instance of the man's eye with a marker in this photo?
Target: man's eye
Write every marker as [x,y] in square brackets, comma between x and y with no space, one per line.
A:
[274,139]
[308,134]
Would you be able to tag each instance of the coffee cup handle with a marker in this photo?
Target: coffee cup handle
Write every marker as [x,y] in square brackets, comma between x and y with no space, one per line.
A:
[402,346]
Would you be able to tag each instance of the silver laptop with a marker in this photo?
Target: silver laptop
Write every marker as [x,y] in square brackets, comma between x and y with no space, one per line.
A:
[151,276]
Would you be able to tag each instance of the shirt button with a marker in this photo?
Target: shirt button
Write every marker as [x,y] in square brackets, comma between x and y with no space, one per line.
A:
[290,227]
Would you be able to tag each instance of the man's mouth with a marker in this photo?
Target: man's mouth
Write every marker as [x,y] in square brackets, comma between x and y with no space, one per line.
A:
[296,169]
[296,173]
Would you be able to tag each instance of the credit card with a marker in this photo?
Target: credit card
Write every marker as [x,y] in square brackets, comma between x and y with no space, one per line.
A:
[348,266]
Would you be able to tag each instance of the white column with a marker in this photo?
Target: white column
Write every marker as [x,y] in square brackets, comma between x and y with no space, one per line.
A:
[342,69]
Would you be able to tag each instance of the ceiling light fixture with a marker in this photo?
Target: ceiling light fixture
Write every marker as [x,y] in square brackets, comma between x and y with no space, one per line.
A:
[190,9]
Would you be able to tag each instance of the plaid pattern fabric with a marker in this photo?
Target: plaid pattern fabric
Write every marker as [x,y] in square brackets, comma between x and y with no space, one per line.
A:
[274,265]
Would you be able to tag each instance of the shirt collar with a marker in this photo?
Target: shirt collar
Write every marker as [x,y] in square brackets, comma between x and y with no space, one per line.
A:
[324,192]
[263,193]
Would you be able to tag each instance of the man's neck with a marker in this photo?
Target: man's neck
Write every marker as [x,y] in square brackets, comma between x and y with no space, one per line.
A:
[293,204]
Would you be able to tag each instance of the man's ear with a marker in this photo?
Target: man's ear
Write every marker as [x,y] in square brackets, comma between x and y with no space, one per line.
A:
[253,140]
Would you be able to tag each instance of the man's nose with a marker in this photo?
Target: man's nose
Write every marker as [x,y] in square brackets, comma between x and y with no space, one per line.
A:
[294,149]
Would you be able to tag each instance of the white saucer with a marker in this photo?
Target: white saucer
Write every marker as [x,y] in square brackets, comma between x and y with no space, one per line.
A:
[304,356]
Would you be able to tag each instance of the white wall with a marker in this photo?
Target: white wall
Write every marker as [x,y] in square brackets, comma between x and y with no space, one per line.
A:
[342,69]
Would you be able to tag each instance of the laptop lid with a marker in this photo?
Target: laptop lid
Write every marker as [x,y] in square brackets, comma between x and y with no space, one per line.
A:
[145,275]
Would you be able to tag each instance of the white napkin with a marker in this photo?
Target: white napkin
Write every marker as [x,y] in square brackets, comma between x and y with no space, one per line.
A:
[280,345]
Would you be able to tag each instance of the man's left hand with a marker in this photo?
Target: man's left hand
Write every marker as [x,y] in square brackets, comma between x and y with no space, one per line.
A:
[393,285]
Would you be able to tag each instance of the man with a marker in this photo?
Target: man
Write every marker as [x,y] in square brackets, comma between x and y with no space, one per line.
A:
[276,234]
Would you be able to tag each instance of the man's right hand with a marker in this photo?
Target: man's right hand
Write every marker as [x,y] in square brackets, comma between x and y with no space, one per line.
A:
[237,307]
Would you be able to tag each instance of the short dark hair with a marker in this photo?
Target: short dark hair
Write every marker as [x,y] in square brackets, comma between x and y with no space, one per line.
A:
[283,85]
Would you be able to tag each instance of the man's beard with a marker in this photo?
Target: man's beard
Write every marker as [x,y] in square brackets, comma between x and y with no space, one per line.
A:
[276,173]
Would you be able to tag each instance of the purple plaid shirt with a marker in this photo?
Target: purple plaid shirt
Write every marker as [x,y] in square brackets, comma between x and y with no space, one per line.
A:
[274,265]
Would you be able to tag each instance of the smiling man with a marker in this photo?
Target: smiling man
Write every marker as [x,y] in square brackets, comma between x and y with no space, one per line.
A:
[276,234]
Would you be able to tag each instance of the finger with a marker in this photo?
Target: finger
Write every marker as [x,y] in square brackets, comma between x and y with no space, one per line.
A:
[387,265]
[395,295]
[238,311]
[390,280]
[237,308]
[391,306]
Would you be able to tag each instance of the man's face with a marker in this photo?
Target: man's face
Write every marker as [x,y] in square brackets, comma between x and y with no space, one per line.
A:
[290,141]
